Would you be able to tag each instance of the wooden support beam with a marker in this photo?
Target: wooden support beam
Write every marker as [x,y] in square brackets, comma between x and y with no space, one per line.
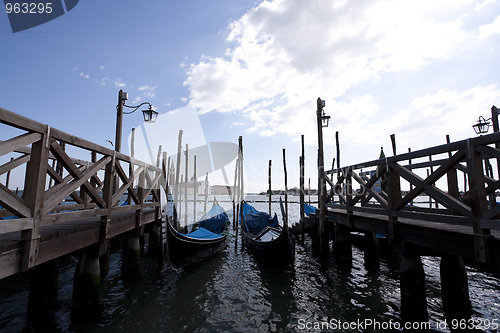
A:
[36,174]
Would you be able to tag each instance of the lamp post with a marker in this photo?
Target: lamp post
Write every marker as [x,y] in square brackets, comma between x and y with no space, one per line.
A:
[149,116]
[322,121]
[482,126]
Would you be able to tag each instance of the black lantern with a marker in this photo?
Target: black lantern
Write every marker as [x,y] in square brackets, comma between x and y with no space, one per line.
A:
[482,126]
[150,115]
[325,119]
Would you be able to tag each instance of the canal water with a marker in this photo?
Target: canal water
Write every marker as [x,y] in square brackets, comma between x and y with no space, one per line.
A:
[232,292]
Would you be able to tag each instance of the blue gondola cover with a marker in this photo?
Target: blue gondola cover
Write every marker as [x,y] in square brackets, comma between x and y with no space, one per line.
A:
[255,221]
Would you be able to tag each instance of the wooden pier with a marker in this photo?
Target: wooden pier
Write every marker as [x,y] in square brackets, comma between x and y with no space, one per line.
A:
[440,201]
[71,205]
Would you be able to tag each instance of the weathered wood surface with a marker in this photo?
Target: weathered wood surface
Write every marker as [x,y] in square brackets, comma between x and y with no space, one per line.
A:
[382,196]
[62,209]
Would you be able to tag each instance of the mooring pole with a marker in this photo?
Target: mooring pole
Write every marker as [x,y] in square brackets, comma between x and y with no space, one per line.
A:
[269,181]
[177,171]
[206,194]
[242,188]
[285,219]
[195,188]
[323,240]
[301,180]
[186,182]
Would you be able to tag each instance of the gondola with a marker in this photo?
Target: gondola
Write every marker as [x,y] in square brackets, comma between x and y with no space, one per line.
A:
[208,237]
[263,236]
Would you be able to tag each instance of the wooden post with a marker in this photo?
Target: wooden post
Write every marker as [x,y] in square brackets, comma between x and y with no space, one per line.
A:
[206,194]
[309,190]
[301,182]
[411,185]
[343,247]
[269,181]
[86,284]
[478,202]
[412,283]
[42,300]
[371,252]
[337,146]
[131,253]
[131,166]
[393,142]
[186,182]
[242,188]
[236,197]
[36,174]
[454,289]
[238,201]
[195,188]
[323,240]
[158,156]
[285,218]
[177,171]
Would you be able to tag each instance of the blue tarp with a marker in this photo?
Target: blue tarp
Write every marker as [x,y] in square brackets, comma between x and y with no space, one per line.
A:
[308,209]
[214,220]
[202,233]
[255,221]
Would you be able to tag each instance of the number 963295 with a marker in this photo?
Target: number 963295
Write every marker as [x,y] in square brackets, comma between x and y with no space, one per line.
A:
[28,8]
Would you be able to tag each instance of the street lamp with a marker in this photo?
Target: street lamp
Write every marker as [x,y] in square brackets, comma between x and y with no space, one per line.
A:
[482,126]
[324,118]
[149,116]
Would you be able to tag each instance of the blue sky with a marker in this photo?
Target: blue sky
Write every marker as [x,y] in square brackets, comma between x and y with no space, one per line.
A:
[420,70]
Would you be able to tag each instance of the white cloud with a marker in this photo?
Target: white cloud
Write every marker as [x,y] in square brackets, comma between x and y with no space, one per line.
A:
[286,53]
[490,29]
[85,76]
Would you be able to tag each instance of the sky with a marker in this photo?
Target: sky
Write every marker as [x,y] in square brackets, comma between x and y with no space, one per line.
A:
[218,70]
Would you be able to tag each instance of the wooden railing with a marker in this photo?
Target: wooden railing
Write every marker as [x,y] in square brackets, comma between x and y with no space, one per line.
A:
[455,180]
[58,188]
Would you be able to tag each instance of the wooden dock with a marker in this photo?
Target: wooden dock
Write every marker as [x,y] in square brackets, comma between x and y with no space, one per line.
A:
[67,203]
[381,196]
[439,201]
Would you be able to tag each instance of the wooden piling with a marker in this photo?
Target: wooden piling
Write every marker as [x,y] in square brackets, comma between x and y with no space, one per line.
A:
[195,188]
[301,184]
[285,218]
[86,284]
[206,194]
[371,252]
[412,284]
[242,188]
[186,182]
[42,299]
[323,239]
[176,187]
[131,254]
[343,247]
[269,181]
[454,289]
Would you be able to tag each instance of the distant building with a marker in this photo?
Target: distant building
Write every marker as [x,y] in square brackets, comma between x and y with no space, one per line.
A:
[221,189]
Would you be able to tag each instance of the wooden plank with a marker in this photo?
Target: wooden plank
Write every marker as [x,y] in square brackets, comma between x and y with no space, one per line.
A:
[14,163]
[369,189]
[15,120]
[18,142]
[71,216]
[59,180]
[493,224]
[10,262]
[55,199]
[12,225]
[77,174]
[13,203]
